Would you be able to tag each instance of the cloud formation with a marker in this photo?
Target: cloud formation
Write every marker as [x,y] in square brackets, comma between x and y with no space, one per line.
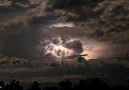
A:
[61,47]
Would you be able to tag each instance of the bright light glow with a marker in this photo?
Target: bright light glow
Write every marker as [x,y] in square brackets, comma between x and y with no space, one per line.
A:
[57,50]
[62,25]
[61,47]
[97,49]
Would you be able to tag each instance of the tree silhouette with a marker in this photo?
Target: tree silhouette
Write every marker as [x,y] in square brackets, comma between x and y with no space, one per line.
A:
[87,84]
[15,85]
[35,86]
[65,85]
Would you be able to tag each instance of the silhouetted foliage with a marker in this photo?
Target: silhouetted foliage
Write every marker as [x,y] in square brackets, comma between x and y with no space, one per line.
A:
[14,85]
[35,86]
[65,85]
[87,84]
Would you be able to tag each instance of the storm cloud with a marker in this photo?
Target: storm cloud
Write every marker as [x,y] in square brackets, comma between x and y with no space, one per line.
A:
[21,38]
[22,29]
[61,47]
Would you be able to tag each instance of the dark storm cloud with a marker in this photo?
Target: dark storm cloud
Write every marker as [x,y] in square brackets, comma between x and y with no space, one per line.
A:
[10,28]
[21,40]
[21,37]
[37,20]
[70,3]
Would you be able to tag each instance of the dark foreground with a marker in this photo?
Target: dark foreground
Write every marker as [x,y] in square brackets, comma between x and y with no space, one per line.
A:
[87,84]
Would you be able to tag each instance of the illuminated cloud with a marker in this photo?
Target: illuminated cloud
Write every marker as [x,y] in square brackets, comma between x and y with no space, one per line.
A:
[61,47]
[62,25]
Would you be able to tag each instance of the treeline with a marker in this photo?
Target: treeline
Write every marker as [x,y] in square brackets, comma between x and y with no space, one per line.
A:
[87,84]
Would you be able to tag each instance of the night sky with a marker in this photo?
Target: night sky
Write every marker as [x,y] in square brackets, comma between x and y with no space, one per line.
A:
[37,29]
